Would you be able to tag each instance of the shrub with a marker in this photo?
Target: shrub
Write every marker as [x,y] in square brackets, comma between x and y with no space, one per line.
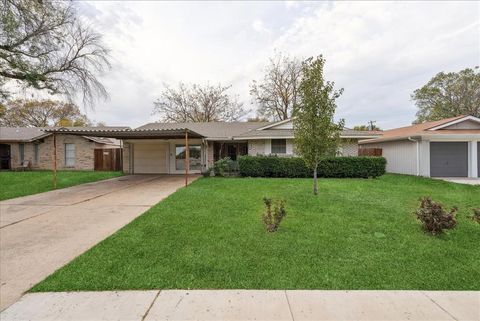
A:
[434,218]
[476,215]
[207,173]
[272,219]
[225,167]
[274,166]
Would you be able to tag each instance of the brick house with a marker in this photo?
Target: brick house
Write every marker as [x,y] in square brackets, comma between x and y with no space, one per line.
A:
[160,148]
[34,146]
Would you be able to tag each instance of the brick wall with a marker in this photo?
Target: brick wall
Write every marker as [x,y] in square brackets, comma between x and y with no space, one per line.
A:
[84,156]
[126,157]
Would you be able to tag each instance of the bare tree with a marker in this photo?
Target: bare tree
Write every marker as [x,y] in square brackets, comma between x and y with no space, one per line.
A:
[197,103]
[277,93]
[45,46]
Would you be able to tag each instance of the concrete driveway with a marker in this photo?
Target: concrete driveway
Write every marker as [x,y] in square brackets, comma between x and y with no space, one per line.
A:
[41,233]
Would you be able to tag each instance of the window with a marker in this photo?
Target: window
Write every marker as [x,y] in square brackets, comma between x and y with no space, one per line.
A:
[69,155]
[279,146]
[194,157]
[21,151]
[36,148]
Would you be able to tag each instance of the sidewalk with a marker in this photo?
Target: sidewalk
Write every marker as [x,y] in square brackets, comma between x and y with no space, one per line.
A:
[247,305]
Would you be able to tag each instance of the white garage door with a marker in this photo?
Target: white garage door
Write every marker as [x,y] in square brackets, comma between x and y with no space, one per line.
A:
[150,158]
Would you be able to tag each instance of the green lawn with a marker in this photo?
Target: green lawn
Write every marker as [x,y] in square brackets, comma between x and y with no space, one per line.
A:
[16,184]
[357,234]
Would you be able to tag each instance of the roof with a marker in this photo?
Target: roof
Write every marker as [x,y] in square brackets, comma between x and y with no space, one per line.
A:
[103,140]
[29,134]
[126,132]
[212,130]
[288,133]
[21,134]
[427,128]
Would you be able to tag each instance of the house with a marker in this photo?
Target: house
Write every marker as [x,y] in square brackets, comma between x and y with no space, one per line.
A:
[161,147]
[443,148]
[35,146]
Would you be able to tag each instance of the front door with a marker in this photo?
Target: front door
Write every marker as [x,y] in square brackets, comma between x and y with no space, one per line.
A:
[4,156]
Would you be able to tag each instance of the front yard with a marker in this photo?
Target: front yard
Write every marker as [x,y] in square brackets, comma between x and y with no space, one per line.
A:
[357,234]
[16,184]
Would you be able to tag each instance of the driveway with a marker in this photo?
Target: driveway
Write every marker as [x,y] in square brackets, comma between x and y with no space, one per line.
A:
[41,233]
[460,180]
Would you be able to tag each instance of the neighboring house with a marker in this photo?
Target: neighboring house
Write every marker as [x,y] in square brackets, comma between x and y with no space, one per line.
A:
[160,147]
[444,148]
[34,147]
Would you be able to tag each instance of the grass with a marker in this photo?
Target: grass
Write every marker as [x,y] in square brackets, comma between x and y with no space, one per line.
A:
[16,184]
[357,234]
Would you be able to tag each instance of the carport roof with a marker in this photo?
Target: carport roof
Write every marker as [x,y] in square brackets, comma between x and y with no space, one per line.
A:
[125,132]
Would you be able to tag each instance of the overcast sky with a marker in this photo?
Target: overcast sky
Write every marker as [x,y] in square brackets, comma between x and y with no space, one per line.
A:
[378,52]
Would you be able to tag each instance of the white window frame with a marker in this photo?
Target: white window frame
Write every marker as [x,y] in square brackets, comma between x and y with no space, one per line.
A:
[69,159]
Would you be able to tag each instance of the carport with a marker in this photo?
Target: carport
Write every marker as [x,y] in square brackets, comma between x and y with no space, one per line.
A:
[150,152]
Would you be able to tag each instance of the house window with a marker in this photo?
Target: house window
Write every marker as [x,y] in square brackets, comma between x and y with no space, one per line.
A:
[279,146]
[69,155]
[194,157]
[21,151]
[36,148]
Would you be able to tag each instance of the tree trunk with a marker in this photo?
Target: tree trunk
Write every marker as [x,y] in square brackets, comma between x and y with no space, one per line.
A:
[315,181]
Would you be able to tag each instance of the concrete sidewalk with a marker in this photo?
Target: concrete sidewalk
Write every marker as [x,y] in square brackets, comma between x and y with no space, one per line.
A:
[247,305]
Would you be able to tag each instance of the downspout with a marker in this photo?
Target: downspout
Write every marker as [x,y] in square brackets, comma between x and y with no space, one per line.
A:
[418,153]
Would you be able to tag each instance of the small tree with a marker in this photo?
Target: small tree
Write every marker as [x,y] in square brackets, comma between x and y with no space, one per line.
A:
[316,134]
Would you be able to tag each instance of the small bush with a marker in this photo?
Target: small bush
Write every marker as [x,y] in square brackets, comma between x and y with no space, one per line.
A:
[207,173]
[225,167]
[434,218]
[272,219]
[476,215]
[274,166]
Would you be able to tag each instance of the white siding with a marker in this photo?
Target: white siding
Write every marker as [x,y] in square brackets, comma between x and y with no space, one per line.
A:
[287,125]
[467,124]
[401,156]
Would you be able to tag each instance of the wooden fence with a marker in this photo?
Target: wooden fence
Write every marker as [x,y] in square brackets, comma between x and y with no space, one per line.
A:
[369,151]
[108,159]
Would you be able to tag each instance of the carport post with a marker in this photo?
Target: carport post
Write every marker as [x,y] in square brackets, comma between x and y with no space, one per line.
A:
[187,156]
[54,160]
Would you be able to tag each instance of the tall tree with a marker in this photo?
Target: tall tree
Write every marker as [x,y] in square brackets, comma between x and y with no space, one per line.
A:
[449,95]
[277,93]
[42,113]
[316,133]
[198,103]
[45,46]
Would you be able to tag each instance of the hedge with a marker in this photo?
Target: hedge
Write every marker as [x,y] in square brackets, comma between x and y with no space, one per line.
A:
[274,166]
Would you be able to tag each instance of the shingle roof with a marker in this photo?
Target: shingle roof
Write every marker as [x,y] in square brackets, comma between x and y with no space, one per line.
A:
[421,129]
[288,133]
[220,130]
[21,134]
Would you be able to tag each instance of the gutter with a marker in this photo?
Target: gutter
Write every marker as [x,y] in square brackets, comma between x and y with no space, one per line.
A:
[418,152]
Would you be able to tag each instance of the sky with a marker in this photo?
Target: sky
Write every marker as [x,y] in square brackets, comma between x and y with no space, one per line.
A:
[379,52]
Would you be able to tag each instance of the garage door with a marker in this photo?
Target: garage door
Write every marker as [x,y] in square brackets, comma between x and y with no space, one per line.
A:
[449,159]
[150,158]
